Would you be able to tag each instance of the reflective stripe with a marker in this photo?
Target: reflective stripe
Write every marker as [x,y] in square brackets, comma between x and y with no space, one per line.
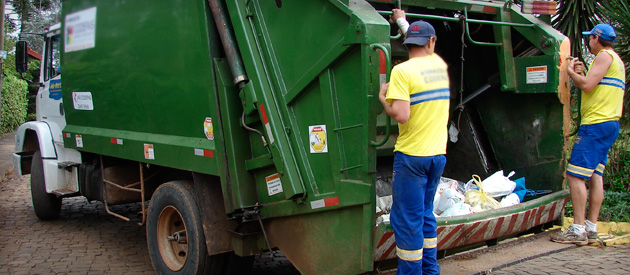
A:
[409,255]
[430,243]
[616,82]
[579,170]
[600,168]
[430,95]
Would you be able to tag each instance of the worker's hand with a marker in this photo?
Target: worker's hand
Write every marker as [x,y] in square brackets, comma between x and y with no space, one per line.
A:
[397,13]
[578,66]
[382,94]
[575,66]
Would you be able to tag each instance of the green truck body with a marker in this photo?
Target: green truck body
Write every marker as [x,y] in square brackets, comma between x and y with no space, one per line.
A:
[268,111]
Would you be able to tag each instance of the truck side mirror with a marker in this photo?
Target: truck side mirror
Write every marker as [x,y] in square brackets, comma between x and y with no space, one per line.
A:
[21,57]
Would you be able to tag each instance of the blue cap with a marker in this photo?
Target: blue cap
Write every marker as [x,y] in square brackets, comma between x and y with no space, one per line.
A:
[419,33]
[604,31]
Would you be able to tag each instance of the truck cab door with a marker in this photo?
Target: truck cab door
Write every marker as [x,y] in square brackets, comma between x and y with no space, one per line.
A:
[49,100]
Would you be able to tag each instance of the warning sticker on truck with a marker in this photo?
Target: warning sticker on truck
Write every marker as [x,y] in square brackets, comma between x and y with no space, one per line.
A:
[79,141]
[274,186]
[207,128]
[82,101]
[317,139]
[536,75]
[80,28]
[148,151]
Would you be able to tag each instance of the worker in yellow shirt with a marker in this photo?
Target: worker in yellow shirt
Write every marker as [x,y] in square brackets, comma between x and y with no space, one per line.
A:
[417,96]
[602,103]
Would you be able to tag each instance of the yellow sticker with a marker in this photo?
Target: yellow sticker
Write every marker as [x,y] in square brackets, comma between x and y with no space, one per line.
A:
[317,139]
[207,128]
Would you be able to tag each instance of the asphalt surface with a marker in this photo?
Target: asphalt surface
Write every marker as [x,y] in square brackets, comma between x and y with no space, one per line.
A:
[86,240]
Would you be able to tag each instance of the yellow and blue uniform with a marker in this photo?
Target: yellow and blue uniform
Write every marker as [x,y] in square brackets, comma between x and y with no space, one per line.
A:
[601,109]
[419,160]
[424,83]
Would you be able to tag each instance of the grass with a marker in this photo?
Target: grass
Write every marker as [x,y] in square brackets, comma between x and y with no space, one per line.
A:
[616,207]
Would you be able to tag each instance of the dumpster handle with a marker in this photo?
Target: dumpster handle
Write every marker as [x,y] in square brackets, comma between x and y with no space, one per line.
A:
[388,61]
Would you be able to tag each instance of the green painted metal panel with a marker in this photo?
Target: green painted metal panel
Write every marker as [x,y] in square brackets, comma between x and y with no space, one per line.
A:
[150,75]
[537,74]
[525,131]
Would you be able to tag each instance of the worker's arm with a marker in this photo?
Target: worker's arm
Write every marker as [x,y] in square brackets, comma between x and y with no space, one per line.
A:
[398,109]
[399,17]
[595,74]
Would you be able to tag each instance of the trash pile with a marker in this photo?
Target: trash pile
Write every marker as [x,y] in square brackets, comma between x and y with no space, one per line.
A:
[456,198]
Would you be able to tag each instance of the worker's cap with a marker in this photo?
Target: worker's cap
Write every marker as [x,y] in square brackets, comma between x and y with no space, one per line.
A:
[419,33]
[604,31]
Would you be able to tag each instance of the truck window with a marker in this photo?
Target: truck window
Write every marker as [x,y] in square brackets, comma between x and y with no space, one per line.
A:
[52,57]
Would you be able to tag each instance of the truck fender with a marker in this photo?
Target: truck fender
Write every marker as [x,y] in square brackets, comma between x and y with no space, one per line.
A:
[30,137]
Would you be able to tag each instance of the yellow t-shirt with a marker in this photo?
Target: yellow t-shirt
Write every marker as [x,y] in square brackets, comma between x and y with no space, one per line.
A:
[423,81]
[605,101]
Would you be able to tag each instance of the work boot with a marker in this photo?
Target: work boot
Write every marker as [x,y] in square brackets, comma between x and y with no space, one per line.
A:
[570,236]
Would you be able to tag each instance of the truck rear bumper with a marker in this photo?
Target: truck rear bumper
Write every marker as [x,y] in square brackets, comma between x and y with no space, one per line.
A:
[460,231]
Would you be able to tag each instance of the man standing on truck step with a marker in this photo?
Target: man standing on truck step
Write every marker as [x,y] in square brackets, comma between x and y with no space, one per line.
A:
[602,103]
[417,96]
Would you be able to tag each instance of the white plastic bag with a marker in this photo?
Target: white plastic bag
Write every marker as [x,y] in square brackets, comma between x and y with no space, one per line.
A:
[510,200]
[447,195]
[448,198]
[384,204]
[498,185]
[458,209]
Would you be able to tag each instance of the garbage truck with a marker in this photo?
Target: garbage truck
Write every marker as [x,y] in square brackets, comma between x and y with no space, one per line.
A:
[247,126]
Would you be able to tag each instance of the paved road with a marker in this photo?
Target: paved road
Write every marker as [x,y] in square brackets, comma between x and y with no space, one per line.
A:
[84,240]
[583,260]
[87,240]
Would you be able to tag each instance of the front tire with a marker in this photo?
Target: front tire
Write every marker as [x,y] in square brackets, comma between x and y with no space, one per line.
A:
[46,206]
[175,235]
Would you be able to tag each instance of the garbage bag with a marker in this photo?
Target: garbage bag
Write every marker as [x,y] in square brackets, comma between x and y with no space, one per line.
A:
[384,204]
[479,200]
[520,189]
[498,185]
[448,194]
[448,198]
[458,209]
[510,200]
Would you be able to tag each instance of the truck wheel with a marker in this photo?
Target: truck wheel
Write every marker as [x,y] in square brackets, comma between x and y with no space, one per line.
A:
[47,206]
[175,235]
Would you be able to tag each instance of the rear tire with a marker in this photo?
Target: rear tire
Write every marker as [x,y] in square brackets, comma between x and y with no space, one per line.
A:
[175,236]
[46,206]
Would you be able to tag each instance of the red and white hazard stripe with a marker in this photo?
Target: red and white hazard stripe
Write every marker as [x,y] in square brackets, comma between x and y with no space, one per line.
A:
[118,141]
[457,235]
[263,113]
[382,67]
[325,203]
[204,153]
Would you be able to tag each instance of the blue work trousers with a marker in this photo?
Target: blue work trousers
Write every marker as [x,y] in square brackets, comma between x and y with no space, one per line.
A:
[415,228]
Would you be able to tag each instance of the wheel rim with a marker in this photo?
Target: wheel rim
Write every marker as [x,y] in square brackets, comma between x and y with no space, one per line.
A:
[172,238]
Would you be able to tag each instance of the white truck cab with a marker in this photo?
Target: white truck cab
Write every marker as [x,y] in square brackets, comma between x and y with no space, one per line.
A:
[39,144]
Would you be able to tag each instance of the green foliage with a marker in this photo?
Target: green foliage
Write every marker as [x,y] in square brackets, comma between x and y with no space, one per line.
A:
[13,103]
[617,173]
[574,17]
[14,91]
[615,208]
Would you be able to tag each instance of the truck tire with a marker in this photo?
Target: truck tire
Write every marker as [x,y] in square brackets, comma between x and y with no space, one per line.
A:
[175,235]
[47,206]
